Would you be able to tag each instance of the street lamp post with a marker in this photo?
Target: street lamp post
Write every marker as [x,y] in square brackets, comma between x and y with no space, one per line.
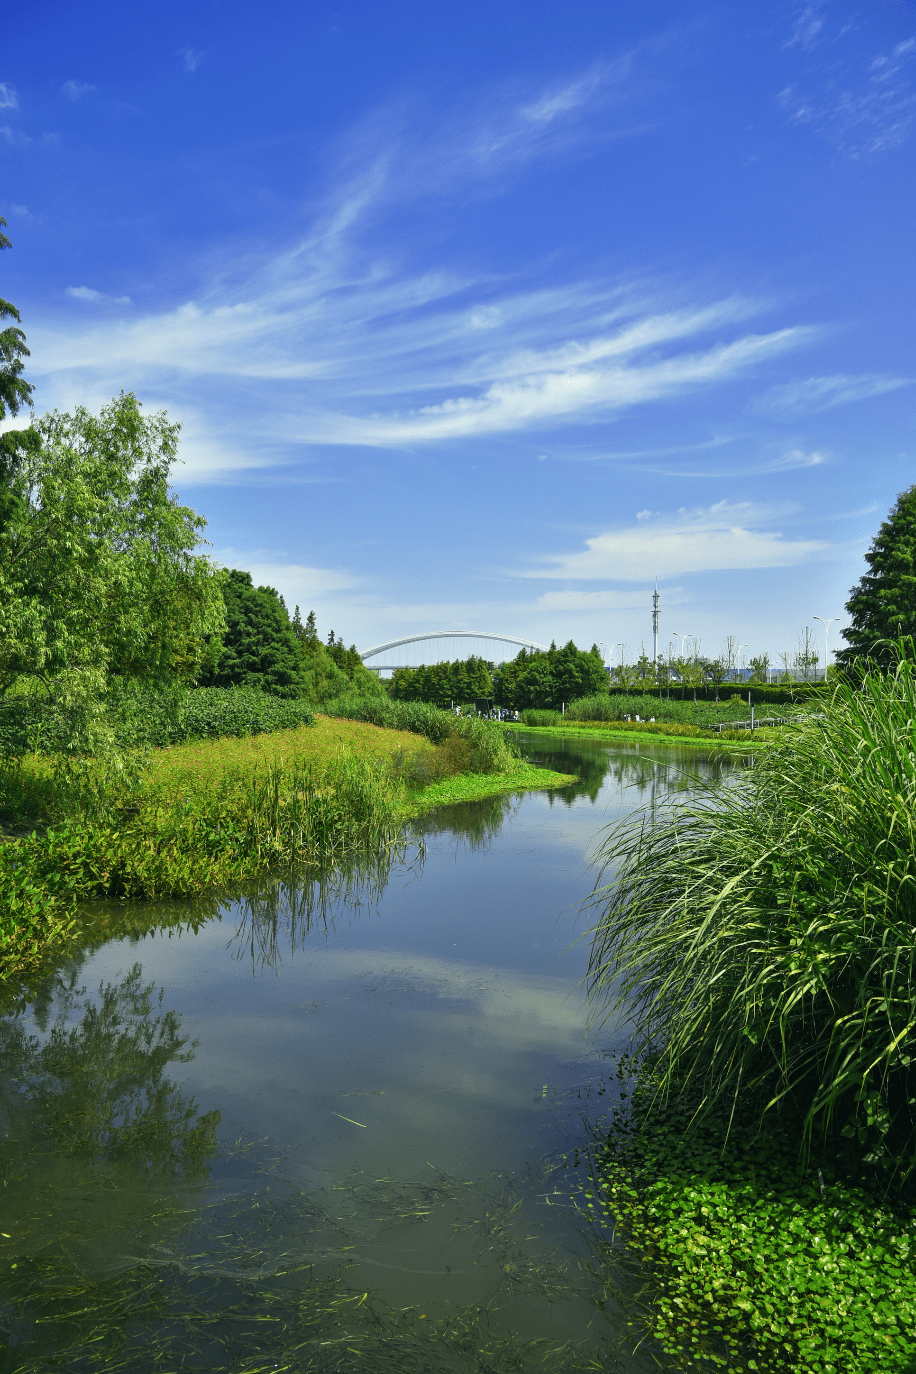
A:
[826,624]
[677,634]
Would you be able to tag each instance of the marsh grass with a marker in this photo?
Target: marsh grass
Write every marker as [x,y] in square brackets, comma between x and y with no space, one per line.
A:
[482,745]
[672,710]
[762,934]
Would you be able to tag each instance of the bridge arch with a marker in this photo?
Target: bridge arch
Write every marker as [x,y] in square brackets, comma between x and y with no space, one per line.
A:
[392,644]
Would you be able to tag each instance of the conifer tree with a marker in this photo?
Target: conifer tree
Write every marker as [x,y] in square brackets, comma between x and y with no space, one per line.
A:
[882,604]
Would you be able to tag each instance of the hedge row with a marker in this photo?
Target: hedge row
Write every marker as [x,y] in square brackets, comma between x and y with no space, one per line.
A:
[144,718]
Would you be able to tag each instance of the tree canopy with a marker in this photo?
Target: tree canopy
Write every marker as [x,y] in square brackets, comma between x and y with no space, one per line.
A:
[259,646]
[882,604]
[15,391]
[99,573]
[548,680]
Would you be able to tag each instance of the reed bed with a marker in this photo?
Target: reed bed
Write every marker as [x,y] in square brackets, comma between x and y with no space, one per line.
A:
[762,934]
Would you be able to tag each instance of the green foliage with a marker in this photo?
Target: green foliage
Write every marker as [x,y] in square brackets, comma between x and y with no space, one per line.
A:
[15,392]
[615,706]
[330,670]
[111,841]
[259,648]
[756,1263]
[762,933]
[98,574]
[882,604]
[463,681]
[138,716]
[491,749]
[541,718]
[536,681]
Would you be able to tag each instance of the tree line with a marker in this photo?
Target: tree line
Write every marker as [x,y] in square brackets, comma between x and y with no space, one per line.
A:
[532,679]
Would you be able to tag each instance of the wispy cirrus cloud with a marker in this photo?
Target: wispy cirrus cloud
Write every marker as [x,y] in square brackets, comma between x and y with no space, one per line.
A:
[8,98]
[718,538]
[822,393]
[864,106]
[337,343]
[75,90]
[89,293]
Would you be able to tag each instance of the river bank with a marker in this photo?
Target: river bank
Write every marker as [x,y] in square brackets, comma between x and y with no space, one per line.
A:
[213,813]
[655,732]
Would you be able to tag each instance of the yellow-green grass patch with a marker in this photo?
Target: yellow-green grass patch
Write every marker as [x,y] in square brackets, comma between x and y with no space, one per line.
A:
[472,786]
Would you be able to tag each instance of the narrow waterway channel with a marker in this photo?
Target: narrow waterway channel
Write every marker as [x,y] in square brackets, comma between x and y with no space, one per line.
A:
[326,1131]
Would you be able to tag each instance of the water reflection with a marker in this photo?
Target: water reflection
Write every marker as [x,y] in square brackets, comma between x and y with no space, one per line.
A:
[650,771]
[392,1101]
[474,823]
[279,915]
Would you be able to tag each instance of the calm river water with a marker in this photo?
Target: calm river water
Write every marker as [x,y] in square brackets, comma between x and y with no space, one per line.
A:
[310,1130]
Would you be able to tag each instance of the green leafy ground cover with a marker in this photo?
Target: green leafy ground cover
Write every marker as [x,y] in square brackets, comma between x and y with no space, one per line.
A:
[757,1261]
[138,717]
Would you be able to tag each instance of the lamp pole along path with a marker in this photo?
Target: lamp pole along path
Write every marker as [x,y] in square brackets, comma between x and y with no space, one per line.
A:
[826,624]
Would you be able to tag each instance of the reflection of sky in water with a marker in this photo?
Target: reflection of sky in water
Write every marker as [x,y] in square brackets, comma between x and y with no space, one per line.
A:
[435,1032]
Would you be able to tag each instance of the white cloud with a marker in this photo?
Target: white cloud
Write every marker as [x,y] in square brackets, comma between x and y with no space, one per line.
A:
[794,458]
[298,583]
[808,24]
[192,60]
[725,536]
[822,393]
[89,293]
[8,99]
[864,108]
[332,344]
[75,90]
[592,601]
[21,211]
[13,138]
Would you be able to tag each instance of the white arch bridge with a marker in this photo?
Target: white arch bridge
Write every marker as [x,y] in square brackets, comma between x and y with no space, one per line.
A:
[397,653]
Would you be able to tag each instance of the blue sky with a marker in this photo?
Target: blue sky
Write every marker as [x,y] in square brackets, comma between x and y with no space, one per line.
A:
[483,316]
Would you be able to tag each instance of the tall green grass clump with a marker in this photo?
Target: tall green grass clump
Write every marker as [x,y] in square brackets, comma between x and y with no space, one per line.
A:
[489,749]
[733,706]
[136,843]
[762,935]
[536,717]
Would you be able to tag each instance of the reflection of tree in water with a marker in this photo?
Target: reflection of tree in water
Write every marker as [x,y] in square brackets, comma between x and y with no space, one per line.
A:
[661,771]
[101,1154]
[476,822]
[278,915]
